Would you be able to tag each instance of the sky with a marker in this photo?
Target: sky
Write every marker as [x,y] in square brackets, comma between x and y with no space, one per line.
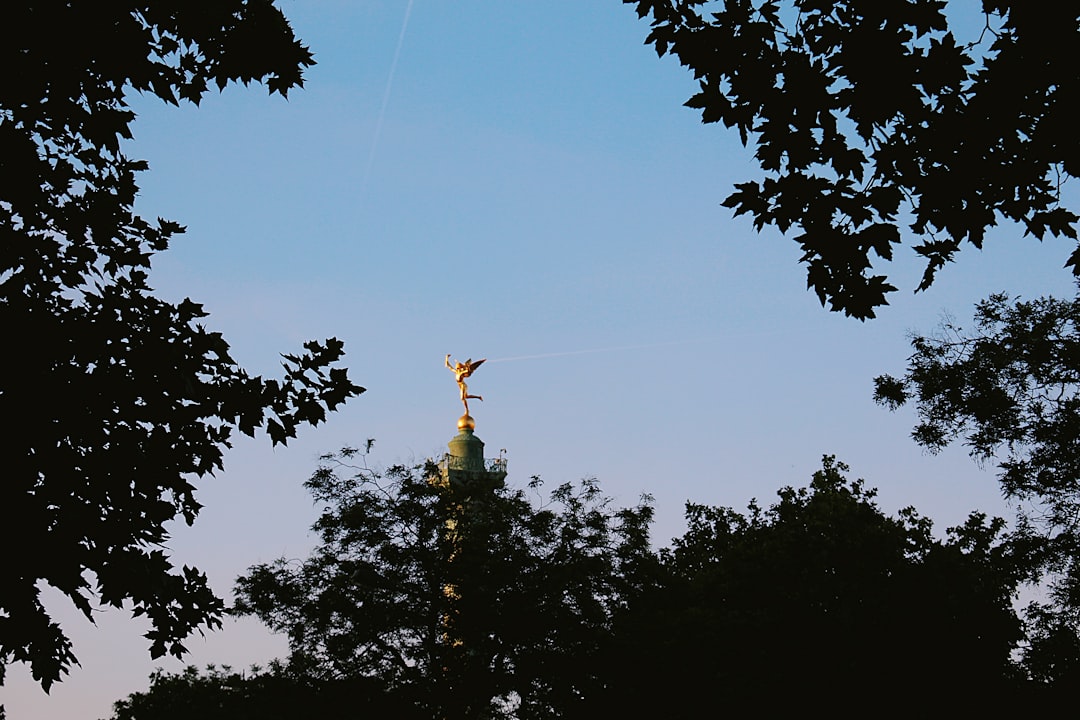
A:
[516,181]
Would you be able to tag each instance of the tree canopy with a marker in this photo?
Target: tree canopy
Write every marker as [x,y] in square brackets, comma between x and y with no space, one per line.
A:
[500,613]
[563,610]
[1009,390]
[116,399]
[872,119]
[1012,385]
[820,600]
[272,693]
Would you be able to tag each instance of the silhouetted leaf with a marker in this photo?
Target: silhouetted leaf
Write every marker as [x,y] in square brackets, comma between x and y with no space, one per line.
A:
[955,134]
[116,398]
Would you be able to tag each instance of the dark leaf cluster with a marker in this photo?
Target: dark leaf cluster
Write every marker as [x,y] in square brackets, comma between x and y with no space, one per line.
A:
[272,693]
[1010,391]
[869,115]
[820,603]
[474,600]
[115,399]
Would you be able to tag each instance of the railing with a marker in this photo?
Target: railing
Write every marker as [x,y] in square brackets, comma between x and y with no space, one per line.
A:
[491,465]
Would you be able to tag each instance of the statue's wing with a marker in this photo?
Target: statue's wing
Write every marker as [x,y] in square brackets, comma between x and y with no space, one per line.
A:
[473,365]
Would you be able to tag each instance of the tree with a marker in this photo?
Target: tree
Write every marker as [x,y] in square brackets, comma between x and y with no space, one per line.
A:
[819,601]
[114,398]
[1010,391]
[1011,386]
[866,115]
[501,615]
[259,694]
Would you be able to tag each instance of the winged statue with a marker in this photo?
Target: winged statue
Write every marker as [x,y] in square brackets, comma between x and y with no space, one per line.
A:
[461,371]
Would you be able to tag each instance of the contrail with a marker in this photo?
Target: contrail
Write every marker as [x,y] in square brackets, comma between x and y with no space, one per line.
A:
[599,350]
[385,100]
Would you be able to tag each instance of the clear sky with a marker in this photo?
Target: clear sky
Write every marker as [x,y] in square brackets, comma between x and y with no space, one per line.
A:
[525,182]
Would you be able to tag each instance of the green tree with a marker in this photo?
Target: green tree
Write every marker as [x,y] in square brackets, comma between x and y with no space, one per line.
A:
[1009,390]
[114,398]
[867,115]
[505,616]
[820,601]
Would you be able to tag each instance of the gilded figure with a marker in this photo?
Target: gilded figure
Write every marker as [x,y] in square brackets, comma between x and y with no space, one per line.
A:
[461,371]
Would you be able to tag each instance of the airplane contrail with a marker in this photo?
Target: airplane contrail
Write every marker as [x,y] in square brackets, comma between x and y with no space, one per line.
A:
[598,350]
[385,99]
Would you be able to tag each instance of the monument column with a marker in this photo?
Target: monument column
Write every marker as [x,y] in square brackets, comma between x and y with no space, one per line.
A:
[467,483]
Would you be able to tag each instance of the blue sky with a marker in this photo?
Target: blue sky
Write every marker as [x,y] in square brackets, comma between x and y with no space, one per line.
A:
[536,188]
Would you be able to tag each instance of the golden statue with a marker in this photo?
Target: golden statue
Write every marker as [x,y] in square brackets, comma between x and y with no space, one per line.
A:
[461,371]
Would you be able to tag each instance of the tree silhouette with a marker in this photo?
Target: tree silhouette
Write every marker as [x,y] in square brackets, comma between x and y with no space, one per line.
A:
[819,602]
[116,399]
[259,694]
[1009,390]
[866,116]
[875,120]
[505,620]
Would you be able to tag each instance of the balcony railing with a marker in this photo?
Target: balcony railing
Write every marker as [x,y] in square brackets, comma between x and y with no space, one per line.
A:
[491,465]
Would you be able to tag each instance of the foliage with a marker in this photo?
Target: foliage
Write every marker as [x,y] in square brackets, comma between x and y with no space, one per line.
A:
[115,398]
[500,613]
[260,694]
[1012,386]
[820,601]
[1010,391]
[873,113]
